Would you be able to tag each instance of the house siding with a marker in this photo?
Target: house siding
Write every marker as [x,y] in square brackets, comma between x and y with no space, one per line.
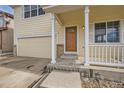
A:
[7,36]
[7,40]
[39,25]
[41,46]
[59,33]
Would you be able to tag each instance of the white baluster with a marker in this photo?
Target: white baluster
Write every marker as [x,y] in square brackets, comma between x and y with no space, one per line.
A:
[110,54]
[122,39]
[92,53]
[118,55]
[114,54]
[95,53]
[106,54]
[103,54]
[122,55]
[99,54]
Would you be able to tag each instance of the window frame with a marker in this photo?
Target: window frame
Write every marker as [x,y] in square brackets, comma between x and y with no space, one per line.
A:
[38,10]
[106,31]
[3,21]
[32,10]
[95,32]
[23,12]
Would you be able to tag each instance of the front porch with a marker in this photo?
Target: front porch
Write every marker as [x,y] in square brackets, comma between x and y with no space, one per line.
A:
[68,74]
[97,37]
[78,66]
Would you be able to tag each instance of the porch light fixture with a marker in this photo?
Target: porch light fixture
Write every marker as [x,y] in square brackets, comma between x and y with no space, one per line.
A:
[83,27]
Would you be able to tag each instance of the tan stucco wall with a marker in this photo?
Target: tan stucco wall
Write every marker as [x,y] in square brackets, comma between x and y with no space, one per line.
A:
[35,47]
[102,13]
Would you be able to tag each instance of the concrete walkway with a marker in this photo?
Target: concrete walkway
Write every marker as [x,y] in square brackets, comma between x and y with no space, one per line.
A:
[10,78]
[20,72]
[62,79]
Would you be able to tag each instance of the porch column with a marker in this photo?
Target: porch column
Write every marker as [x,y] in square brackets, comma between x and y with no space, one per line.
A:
[86,14]
[53,39]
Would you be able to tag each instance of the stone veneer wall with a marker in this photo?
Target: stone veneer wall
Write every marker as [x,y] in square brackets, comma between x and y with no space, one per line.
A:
[60,50]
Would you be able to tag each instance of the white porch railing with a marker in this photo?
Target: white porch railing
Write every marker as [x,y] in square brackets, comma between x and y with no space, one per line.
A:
[106,54]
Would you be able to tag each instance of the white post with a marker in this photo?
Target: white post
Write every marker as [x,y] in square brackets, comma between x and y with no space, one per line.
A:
[53,39]
[86,13]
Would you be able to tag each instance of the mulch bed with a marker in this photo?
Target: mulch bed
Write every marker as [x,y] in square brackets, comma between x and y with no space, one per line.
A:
[95,83]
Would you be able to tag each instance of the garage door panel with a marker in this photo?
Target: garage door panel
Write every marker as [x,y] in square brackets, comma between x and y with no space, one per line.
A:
[35,47]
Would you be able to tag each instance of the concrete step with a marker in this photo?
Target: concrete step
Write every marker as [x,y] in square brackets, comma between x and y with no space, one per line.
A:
[69,56]
[0,51]
[64,67]
[6,54]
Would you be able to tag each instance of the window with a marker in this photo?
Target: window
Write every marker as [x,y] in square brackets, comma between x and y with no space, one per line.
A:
[100,32]
[1,21]
[32,10]
[26,11]
[107,32]
[40,10]
[113,31]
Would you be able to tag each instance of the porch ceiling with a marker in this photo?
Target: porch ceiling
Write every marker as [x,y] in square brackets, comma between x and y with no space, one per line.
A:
[75,16]
[61,8]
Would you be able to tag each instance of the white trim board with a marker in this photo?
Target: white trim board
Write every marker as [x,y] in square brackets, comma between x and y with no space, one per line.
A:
[46,34]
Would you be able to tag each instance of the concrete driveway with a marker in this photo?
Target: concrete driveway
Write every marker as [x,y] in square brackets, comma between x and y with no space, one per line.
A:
[20,71]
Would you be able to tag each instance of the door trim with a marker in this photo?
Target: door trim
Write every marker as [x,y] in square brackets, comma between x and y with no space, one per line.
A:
[77,52]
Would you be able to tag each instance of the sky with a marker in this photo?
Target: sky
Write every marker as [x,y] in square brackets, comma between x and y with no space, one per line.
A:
[7,9]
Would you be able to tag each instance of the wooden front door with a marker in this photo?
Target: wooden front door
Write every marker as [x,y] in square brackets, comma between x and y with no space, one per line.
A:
[71,39]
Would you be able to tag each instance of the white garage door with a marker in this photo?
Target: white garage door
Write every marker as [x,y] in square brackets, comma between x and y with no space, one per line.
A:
[35,47]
